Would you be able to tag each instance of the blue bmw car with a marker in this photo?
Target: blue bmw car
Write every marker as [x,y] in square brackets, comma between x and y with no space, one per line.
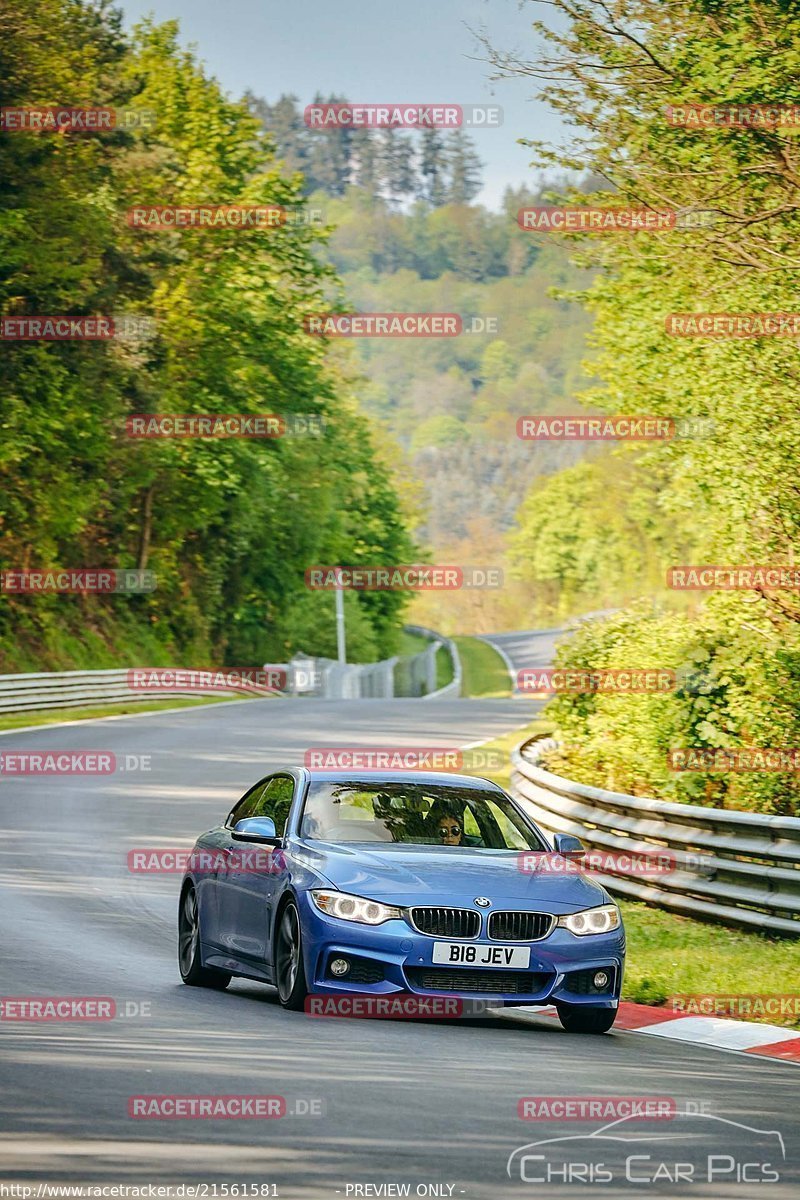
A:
[382,883]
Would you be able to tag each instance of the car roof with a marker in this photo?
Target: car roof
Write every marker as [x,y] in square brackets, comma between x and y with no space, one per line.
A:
[424,778]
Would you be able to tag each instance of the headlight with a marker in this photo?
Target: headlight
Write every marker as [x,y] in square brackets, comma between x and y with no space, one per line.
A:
[592,920]
[354,908]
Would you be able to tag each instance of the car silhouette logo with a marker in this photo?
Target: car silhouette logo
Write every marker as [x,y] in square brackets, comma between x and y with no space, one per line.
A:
[482,901]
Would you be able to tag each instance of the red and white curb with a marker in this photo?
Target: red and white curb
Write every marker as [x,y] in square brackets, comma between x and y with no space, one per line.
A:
[748,1037]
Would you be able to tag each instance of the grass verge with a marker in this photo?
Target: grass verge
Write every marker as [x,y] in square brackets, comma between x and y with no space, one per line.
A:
[444,667]
[484,671]
[412,643]
[54,716]
[670,956]
[415,643]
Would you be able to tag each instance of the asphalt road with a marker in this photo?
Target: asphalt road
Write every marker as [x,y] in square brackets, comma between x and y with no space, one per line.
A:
[410,1104]
[526,648]
[533,647]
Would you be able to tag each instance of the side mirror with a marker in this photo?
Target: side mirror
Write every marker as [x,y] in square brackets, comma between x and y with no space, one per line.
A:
[568,846]
[256,829]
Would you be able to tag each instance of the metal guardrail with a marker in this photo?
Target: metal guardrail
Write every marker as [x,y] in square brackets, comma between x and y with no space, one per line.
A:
[410,675]
[450,690]
[736,868]
[71,689]
[356,681]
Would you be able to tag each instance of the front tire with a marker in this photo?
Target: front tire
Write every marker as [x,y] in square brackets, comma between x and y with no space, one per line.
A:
[290,975]
[190,964]
[584,1018]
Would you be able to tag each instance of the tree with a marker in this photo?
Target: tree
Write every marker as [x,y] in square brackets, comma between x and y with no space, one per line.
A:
[329,160]
[615,73]
[367,167]
[284,121]
[432,168]
[463,168]
[228,526]
[397,166]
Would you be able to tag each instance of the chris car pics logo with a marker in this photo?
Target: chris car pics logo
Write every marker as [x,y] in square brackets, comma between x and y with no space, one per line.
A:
[692,1147]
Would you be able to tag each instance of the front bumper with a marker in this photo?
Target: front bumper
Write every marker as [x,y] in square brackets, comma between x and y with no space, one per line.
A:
[392,958]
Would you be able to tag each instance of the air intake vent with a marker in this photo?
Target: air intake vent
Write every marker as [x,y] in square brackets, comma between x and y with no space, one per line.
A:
[446,922]
[519,926]
[486,983]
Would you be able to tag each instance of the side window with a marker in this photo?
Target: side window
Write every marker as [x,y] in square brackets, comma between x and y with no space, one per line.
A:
[471,827]
[513,837]
[275,801]
[248,806]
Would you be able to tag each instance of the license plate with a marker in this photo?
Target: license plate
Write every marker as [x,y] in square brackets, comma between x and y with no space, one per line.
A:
[457,954]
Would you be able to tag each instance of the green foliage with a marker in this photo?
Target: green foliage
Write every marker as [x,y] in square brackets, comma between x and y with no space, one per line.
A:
[728,497]
[312,623]
[738,685]
[452,403]
[595,536]
[438,168]
[228,526]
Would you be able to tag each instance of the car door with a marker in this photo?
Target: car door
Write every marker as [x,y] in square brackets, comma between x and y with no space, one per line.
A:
[215,883]
[250,881]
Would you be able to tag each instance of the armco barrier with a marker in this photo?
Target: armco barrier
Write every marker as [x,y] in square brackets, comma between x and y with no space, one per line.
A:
[71,689]
[413,675]
[450,690]
[736,868]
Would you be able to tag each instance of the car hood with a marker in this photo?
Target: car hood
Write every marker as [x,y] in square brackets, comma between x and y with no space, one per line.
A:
[434,875]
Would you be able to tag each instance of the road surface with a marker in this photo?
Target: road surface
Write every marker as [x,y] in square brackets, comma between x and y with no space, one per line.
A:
[410,1104]
[527,648]
[533,647]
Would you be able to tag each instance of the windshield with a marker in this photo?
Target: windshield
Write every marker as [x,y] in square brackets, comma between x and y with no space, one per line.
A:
[413,814]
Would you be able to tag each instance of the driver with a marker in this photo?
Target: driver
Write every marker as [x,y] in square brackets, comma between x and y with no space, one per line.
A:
[450,830]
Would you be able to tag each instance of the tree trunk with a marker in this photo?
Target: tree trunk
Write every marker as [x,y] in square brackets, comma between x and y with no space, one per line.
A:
[146,529]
